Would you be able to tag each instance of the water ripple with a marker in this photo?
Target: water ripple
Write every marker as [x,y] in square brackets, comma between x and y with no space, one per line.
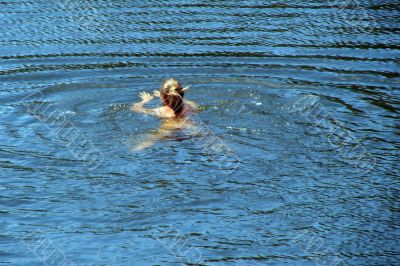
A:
[72,68]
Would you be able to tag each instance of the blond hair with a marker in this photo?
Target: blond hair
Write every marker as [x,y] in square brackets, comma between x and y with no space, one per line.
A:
[172,93]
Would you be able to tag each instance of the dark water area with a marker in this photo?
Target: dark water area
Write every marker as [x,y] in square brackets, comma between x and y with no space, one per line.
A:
[301,97]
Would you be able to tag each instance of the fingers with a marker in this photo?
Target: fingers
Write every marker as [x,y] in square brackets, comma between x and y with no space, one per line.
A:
[156,93]
[143,94]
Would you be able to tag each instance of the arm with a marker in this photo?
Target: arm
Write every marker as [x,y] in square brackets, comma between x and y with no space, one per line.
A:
[139,107]
[150,140]
[165,130]
[167,127]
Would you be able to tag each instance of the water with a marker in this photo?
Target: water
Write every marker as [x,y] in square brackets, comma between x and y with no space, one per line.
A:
[304,93]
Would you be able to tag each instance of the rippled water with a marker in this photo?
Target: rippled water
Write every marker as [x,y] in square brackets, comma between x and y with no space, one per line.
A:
[304,93]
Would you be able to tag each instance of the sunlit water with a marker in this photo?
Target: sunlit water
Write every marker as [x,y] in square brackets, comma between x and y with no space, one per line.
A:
[303,98]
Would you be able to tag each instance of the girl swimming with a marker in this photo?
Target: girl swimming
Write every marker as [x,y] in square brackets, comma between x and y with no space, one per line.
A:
[175,110]
[171,94]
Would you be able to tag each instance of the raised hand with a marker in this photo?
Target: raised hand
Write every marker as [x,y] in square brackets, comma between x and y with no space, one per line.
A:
[156,93]
[146,97]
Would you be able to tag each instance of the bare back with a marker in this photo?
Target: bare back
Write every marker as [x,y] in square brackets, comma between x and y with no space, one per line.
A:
[168,112]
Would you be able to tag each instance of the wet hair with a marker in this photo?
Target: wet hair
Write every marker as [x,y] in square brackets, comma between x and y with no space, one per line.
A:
[172,93]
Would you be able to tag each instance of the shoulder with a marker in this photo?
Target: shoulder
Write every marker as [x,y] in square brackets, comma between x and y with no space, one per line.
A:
[163,112]
[191,104]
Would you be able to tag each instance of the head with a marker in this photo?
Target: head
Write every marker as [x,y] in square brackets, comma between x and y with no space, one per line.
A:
[171,93]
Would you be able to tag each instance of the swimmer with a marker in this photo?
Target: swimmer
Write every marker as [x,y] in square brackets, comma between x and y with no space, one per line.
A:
[174,110]
[171,94]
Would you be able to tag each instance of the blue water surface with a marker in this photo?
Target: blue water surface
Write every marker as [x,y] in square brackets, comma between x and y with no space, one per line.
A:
[292,159]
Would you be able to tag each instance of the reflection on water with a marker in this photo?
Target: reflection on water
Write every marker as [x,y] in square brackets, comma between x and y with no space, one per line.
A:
[300,92]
